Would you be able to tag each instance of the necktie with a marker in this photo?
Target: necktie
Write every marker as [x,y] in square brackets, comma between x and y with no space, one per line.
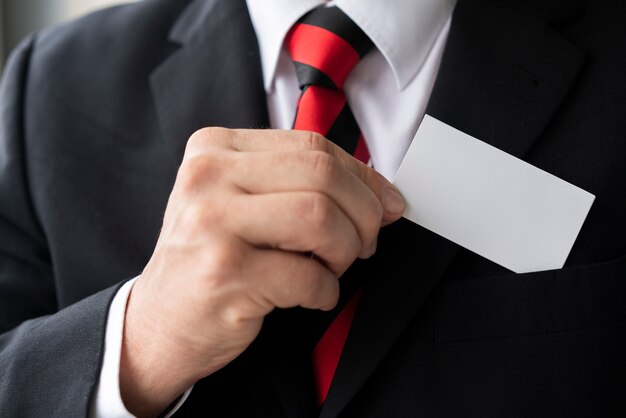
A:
[325,45]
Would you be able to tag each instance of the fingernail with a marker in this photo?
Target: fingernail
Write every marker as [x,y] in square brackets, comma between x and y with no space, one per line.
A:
[392,201]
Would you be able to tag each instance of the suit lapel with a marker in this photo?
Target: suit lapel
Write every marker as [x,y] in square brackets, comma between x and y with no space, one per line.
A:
[214,78]
[503,76]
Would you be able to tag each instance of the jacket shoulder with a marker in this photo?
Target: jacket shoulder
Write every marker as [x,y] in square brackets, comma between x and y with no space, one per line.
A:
[108,48]
[126,27]
[98,66]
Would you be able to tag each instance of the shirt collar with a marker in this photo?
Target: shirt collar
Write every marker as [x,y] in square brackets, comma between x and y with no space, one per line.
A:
[402,30]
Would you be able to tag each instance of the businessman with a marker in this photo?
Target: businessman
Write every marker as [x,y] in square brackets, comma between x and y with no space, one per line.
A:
[163,252]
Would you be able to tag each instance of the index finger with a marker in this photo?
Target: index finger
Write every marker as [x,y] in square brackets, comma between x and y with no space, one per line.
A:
[260,140]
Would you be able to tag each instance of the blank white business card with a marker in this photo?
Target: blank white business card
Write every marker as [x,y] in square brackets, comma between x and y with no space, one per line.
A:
[488,201]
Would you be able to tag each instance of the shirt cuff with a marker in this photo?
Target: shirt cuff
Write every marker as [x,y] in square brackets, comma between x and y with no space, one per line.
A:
[107,400]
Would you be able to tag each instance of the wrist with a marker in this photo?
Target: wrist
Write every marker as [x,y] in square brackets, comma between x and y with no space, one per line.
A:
[152,372]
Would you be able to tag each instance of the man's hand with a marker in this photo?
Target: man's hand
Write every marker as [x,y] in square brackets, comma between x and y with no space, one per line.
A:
[247,211]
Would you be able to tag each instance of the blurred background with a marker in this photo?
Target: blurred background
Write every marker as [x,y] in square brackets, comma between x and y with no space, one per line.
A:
[21,17]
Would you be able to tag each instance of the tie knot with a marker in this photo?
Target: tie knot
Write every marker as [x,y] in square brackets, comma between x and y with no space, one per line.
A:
[325,45]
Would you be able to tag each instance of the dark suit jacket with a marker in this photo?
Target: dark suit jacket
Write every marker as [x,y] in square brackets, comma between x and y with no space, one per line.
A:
[94,119]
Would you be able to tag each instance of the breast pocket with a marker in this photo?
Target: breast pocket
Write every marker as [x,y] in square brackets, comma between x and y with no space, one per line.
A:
[532,303]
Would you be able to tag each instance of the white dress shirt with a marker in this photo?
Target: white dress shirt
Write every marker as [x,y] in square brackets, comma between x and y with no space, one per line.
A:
[388,92]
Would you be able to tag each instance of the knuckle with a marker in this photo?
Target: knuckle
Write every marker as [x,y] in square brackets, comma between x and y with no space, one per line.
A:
[317,142]
[220,266]
[318,290]
[201,222]
[209,136]
[323,165]
[189,226]
[349,251]
[375,215]
[193,143]
[310,281]
[234,316]
[192,173]
[319,210]
[197,217]
[197,171]
[197,137]
[371,178]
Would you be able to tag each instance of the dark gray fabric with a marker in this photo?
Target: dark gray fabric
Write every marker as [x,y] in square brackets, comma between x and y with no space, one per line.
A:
[50,365]
[95,116]
[52,309]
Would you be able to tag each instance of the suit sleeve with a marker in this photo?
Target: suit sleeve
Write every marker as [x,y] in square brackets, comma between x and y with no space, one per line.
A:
[49,358]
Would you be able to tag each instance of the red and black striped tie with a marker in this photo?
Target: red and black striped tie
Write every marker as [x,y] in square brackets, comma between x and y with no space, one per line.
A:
[325,45]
